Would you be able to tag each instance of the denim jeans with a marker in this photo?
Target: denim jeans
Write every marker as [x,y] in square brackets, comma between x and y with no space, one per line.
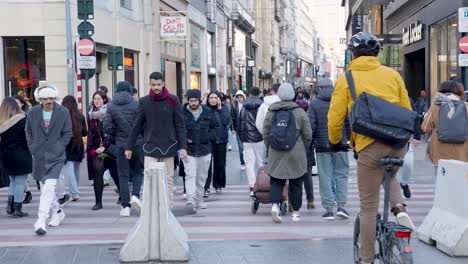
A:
[330,165]
[17,187]
[230,139]
[406,171]
[71,172]
[241,149]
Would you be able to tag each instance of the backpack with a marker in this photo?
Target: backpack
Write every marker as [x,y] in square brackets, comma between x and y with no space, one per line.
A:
[453,130]
[283,130]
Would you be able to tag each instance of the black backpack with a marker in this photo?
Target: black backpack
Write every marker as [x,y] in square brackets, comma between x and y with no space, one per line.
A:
[283,130]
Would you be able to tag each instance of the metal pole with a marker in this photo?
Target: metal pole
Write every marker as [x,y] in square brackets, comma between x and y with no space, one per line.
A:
[87,89]
[70,73]
[114,73]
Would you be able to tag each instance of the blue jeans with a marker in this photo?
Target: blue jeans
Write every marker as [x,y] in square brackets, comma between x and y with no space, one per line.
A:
[71,172]
[17,187]
[331,164]
[241,149]
[230,139]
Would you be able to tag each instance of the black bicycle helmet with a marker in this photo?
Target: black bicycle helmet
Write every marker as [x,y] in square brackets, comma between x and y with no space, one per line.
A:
[364,41]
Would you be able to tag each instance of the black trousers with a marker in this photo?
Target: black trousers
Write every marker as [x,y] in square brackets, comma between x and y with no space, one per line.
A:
[308,183]
[98,182]
[217,169]
[294,191]
[132,168]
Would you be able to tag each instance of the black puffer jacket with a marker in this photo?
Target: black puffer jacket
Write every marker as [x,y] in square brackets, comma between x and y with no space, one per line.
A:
[198,132]
[318,115]
[120,118]
[221,120]
[246,123]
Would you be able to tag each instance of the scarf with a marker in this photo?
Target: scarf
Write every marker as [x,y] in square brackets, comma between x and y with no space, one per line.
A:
[447,98]
[162,96]
[98,114]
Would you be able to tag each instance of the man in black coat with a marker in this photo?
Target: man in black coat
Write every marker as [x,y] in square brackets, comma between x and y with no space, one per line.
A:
[250,136]
[118,124]
[161,119]
[235,112]
[199,128]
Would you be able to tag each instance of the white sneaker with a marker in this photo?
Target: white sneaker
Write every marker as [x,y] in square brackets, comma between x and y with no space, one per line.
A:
[184,196]
[57,218]
[202,205]
[296,216]
[125,212]
[229,147]
[136,203]
[40,227]
[275,214]
[243,167]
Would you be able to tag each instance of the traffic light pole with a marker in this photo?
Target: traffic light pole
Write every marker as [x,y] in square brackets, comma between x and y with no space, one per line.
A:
[86,89]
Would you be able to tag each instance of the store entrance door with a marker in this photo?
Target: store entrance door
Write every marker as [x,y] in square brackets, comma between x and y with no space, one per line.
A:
[414,72]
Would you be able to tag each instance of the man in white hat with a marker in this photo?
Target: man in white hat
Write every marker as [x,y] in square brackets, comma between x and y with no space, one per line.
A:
[48,131]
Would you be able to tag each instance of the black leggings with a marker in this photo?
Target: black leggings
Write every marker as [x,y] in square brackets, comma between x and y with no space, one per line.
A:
[294,191]
[111,165]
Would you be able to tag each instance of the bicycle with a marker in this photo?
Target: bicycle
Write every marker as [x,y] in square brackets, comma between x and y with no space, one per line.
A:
[392,239]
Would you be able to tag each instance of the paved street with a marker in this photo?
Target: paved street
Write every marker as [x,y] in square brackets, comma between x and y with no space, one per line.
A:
[227,226]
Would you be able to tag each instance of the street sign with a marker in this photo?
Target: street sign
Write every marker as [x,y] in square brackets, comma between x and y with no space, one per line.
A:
[85,47]
[85,9]
[85,29]
[86,62]
[463,19]
[463,60]
[463,44]
[115,58]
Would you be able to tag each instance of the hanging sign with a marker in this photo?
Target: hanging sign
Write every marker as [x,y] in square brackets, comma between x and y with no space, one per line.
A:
[412,34]
[173,26]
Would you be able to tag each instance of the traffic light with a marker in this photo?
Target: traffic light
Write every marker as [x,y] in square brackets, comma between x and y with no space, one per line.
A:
[85,9]
[115,58]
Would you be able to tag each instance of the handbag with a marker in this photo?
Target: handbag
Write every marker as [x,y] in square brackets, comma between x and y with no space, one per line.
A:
[377,118]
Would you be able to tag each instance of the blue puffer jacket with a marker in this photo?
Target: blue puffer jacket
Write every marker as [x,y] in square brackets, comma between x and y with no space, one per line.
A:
[221,120]
[318,115]
[198,132]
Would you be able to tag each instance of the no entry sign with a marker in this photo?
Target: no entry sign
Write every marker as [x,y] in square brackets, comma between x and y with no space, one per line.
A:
[463,44]
[85,47]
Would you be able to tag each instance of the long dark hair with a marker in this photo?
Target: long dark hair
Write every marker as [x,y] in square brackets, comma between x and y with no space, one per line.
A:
[103,96]
[70,103]
[25,103]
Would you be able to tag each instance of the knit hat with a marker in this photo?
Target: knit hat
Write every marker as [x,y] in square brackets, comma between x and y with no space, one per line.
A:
[124,86]
[194,93]
[240,92]
[286,92]
[45,90]
[325,82]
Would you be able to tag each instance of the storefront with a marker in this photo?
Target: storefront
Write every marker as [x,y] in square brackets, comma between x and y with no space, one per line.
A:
[427,54]
[24,65]
[195,63]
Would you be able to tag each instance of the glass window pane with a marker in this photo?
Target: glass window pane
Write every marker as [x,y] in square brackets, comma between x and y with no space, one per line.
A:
[453,46]
[24,65]
[434,59]
[443,51]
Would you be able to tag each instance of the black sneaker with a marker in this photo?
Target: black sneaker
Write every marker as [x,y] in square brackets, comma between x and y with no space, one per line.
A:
[406,190]
[206,194]
[64,200]
[342,213]
[328,216]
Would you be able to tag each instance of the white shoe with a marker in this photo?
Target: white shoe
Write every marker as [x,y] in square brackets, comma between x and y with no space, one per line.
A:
[404,220]
[229,147]
[202,205]
[57,218]
[184,196]
[296,216]
[125,212]
[40,227]
[243,167]
[275,214]
[136,203]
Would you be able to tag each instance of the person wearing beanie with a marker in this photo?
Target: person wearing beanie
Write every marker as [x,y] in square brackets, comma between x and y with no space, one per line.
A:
[283,164]
[250,135]
[199,126]
[118,124]
[48,131]
[235,112]
[219,139]
[332,166]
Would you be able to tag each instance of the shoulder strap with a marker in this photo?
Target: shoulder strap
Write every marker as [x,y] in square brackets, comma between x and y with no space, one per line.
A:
[352,88]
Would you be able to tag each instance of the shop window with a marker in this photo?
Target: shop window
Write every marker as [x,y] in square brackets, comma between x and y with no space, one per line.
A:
[131,67]
[127,4]
[195,80]
[24,65]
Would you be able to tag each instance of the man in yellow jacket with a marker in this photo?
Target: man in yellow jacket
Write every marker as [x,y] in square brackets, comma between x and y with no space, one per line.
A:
[373,78]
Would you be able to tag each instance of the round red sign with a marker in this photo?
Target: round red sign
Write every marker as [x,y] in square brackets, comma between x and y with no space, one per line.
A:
[463,44]
[85,47]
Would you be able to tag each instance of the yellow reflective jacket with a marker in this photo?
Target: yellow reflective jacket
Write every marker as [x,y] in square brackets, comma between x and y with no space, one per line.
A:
[370,77]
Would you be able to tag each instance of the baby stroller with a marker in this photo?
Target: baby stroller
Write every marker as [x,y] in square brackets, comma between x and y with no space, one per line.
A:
[262,192]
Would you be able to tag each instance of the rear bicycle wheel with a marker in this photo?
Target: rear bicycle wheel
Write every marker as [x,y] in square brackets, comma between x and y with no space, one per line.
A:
[356,241]
[399,251]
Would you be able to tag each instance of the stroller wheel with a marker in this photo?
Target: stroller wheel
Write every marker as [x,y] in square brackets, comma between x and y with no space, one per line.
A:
[255,206]
[284,208]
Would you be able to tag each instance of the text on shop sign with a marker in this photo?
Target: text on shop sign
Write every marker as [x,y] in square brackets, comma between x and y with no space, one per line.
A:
[173,26]
[412,34]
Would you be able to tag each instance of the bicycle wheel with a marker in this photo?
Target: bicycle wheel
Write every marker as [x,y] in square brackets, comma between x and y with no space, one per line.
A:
[356,241]
[399,251]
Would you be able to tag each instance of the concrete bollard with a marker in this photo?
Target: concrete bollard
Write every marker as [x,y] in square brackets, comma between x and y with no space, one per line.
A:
[446,225]
[157,236]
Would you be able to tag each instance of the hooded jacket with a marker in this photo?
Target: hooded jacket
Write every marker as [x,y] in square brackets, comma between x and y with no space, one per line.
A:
[247,130]
[198,131]
[235,111]
[263,110]
[15,156]
[318,111]
[370,77]
[120,118]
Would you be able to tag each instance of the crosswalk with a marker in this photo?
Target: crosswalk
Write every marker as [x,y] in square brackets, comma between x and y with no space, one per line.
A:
[228,217]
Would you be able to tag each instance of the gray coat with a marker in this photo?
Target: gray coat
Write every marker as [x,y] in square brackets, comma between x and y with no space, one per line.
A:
[288,164]
[48,148]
